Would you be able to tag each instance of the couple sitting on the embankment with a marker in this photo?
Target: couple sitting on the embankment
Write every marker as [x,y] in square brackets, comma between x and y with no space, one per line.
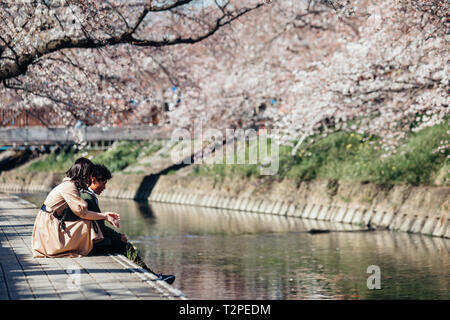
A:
[70,223]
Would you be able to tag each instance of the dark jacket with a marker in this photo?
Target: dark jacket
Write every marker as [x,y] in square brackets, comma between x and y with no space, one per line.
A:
[93,206]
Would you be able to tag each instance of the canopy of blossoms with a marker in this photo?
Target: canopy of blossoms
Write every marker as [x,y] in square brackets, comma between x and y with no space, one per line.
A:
[376,67]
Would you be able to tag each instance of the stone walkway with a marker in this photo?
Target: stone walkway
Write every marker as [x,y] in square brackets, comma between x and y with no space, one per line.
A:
[96,277]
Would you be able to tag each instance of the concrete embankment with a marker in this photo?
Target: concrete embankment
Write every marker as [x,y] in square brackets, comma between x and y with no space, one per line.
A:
[401,208]
[122,186]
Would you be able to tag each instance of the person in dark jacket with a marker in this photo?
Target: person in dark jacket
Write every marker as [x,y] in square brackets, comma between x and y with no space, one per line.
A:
[113,242]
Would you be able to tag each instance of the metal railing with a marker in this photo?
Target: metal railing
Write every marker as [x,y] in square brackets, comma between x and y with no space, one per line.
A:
[43,135]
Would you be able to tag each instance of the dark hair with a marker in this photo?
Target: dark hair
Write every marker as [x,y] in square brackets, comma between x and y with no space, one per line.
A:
[81,173]
[101,173]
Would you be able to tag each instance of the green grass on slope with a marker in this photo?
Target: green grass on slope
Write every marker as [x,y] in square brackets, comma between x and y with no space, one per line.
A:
[355,157]
[59,161]
[116,158]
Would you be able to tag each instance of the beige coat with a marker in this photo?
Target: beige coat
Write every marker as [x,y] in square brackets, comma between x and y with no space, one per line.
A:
[49,240]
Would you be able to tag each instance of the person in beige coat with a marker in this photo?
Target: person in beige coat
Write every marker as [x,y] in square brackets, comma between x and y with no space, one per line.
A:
[54,237]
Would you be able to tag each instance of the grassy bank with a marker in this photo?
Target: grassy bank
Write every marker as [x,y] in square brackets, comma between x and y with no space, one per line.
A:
[422,159]
[116,158]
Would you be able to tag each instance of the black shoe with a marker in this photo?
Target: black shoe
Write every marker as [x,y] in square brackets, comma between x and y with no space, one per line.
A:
[169,278]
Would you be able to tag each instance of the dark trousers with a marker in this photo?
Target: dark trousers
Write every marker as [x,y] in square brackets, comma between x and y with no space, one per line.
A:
[112,243]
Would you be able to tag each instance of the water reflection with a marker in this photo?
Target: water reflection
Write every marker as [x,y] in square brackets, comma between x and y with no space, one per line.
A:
[222,254]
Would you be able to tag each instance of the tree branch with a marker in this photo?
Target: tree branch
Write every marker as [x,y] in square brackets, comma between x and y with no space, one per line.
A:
[20,67]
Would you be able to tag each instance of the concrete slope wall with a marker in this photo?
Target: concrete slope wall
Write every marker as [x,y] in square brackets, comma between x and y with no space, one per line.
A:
[122,186]
[402,208]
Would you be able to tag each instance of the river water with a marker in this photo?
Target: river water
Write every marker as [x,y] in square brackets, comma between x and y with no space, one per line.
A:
[223,254]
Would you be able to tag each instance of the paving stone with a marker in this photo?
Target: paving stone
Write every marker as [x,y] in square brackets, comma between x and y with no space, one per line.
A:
[296,210]
[307,210]
[397,222]
[214,201]
[185,197]
[249,205]
[237,203]
[262,206]
[276,208]
[256,205]
[159,197]
[226,200]
[283,208]
[323,213]
[377,218]
[326,213]
[219,201]
[198,200]
[429,225]
[387,219]
[340,214]
[243,204]
[358,217]
[269,207]
[177,198]
[205,200]
[152,196]
[418,224]
[447,233]
[367,217]
[407,224]
[291,210]
[440,229]
[332,213]
[348,217]
[163,197]
[169,197]
[315,211]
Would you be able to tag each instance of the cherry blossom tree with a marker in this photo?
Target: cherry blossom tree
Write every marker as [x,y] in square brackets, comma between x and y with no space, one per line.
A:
[375,67]
[378,67]
[82,56]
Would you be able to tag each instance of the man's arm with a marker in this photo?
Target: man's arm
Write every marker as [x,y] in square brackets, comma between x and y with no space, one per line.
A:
[93,206]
